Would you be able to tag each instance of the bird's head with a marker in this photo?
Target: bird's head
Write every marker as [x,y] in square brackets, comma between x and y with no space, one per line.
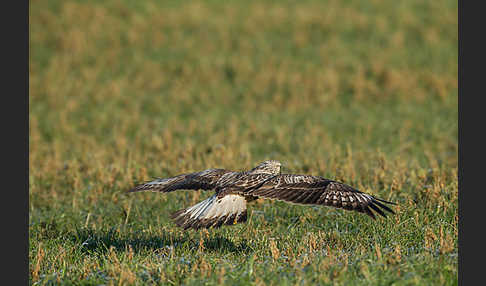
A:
[267,167]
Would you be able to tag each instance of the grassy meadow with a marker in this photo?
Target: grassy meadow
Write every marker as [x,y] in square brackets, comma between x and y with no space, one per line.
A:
[363,92]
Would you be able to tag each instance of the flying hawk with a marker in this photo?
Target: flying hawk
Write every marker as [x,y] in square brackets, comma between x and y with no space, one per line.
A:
[234,189]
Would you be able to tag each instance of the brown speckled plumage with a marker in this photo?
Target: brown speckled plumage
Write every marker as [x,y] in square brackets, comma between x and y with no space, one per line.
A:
[234,189]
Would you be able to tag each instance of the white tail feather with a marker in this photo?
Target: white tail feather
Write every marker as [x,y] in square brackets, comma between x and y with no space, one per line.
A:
[213,211]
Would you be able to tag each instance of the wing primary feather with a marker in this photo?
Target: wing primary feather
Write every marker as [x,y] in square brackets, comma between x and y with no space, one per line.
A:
[387,202]
[302,197]
[312,198]
[293,197]
[369,212]
[284,194]
[383,206]
[377,209]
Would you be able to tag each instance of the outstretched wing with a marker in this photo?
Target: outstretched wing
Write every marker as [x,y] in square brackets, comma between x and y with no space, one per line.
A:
[204,180]
[313,190]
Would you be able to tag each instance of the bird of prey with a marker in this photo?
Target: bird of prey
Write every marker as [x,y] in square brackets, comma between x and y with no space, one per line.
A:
[234,189]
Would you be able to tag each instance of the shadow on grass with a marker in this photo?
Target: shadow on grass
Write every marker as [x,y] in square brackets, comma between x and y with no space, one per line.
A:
[101,241]
[220,243]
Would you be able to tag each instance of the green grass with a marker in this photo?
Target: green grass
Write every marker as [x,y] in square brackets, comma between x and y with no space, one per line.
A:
[364,92]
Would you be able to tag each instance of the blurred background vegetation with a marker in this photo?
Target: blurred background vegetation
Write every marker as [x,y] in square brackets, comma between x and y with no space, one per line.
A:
[360,91]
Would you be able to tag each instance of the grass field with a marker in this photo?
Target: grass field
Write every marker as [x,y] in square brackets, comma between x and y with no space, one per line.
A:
[364,92]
